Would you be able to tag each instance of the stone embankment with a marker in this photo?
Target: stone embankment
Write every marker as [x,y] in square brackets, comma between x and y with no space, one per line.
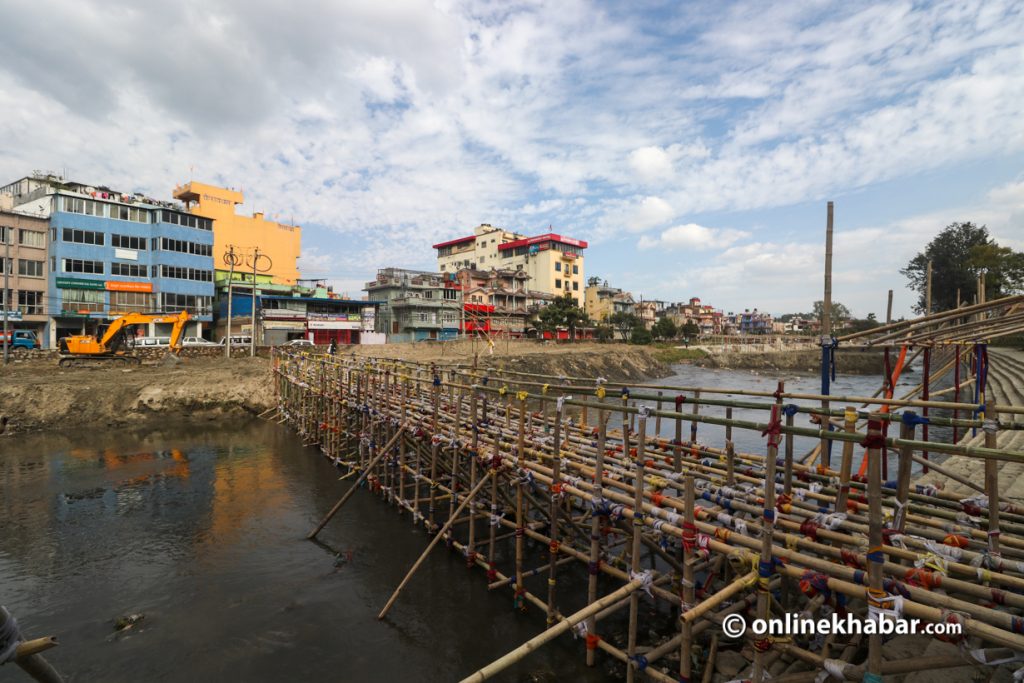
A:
[36,395]
[851,361]
[1005,387]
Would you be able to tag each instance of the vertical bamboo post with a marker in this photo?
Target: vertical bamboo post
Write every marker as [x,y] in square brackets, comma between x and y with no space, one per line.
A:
[696,412]
[826,333]
[730,464]
[903,477]
[553,510]
[925,395]
[657,418]
[787,477]
[520,518]
[876,555]
[638,524]
[765,566]
[435,446]
[688,597]
[595,530]
[992,477]
[846,465]
[475,421]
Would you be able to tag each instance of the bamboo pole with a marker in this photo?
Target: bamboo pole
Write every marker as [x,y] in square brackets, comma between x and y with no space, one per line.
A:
[502,663]
[437,537]
[352,489]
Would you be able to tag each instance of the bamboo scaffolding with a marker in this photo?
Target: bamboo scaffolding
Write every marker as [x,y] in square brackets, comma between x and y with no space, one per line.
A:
[514,459]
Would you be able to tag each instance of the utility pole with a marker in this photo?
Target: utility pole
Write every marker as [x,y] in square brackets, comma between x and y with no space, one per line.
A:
[252,338]
[928,291]
[232,259]
[7,292]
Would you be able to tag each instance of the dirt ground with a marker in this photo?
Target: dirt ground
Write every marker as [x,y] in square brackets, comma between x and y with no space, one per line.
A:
[37,394]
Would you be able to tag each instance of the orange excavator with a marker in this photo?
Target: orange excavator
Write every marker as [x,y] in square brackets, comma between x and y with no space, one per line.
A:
[115,345]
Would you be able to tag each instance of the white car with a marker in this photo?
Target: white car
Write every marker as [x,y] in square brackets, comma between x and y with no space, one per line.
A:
[148,342]
[197,341]
[299,342]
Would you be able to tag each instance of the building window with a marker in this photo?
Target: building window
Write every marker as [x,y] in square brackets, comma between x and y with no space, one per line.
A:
[182,273]
[73,265]
[30,303]
[128,269]
[81,300]
[129,213]
[575,286]
[85,206]
[187,220]
[5,234]
[31,238]
[575,269]
[6,266]
[53,263]
[558,283]
[128,242]
[124,302]
[558,266]
[83,236]
[27,268]
[170,302]
[186,247]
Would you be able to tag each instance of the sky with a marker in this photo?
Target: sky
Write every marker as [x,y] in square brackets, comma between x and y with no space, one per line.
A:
[693,145]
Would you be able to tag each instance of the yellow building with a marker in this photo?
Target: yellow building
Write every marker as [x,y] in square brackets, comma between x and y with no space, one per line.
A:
[278,241]
[602,302]
[553,263]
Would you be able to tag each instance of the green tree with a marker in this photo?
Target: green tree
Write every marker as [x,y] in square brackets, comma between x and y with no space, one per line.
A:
[690,330]
[959,254]
[664,328]
[623,322]
[838,312]
[562,312]
[640,335]
[604,333]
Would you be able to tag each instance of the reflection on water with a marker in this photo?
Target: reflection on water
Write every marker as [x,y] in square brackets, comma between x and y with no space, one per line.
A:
[202,531]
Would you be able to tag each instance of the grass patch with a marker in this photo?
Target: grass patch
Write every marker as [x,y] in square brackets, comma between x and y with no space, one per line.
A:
[669,353]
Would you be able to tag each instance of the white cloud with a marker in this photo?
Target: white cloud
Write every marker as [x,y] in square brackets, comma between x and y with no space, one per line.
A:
[652,164]
[399,123]
[693,236]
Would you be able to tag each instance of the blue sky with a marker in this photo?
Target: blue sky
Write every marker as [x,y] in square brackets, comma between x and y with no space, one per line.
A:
[693,144]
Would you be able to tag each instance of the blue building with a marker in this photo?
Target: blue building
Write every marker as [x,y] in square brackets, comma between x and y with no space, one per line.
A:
[111,253]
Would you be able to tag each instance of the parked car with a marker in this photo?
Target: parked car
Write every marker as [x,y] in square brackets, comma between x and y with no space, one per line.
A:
[238,340]
[299,342]
[150,342]
[198,341]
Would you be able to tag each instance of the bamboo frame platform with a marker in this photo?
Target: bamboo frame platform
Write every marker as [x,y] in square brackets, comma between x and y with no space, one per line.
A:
[491,462]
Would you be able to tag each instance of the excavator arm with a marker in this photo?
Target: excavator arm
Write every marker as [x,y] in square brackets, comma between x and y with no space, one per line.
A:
[178,319]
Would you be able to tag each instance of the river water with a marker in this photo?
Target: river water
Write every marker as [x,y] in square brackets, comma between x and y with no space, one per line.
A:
[201,529]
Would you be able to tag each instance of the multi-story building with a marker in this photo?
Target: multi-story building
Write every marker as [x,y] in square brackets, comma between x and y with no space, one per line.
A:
[553,263]
[23,257]
[287,312]
[416,305]
[112,252]
[754,322]
[278,243]
[494,301]
[601,302]
[707,318]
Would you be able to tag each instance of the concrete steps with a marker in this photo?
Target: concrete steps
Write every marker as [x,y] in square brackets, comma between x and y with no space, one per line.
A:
[1005,387]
